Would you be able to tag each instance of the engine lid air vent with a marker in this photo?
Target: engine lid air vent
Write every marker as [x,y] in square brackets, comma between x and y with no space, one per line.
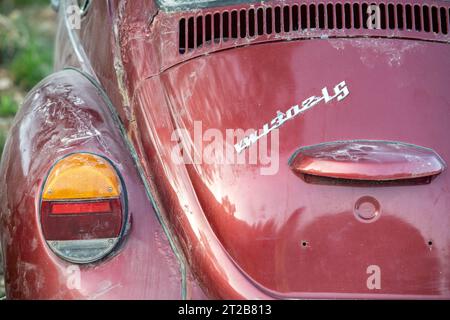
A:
[239,26]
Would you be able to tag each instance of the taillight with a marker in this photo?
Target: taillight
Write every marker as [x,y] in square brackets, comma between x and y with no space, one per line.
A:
[83,208]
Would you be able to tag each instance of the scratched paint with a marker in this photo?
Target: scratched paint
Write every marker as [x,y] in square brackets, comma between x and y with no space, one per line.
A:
[238,233]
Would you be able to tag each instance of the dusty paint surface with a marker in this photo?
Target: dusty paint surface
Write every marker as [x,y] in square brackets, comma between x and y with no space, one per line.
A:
[224,231]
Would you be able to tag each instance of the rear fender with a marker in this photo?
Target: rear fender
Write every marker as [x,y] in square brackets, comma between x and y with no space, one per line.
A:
[64,114]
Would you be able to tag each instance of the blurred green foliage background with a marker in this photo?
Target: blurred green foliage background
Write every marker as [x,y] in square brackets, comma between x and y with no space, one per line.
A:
[27,32]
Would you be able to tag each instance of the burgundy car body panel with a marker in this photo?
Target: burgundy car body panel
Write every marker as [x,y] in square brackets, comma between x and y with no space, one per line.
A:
[245,87]
[225,227]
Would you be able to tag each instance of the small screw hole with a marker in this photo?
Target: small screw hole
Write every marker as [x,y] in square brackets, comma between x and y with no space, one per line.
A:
[430,243]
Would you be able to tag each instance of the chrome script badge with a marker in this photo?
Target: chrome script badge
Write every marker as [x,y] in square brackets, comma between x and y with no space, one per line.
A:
[340,92]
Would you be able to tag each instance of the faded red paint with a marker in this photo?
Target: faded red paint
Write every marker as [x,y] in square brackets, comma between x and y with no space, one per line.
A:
[240,234]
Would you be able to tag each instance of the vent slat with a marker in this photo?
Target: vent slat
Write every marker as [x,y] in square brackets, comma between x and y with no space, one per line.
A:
[286,19]
[269,22]
[347,16]
[443,19]
[400,17]
[357,17]
[210,29]
[277,20]
[435,20]
[330,16]
[295,18]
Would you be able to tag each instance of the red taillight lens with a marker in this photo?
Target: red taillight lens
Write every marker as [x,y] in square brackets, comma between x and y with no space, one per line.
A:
[81,220]
[81,207]
[82,214]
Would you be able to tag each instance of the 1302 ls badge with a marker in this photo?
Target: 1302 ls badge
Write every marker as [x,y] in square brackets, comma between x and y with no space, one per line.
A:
[340,92]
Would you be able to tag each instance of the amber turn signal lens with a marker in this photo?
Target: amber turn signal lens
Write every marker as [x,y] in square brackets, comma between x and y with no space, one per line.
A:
[82,176]
[82,208]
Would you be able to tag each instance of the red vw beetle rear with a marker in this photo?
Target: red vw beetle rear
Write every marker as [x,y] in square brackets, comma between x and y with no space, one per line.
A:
[234,149]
